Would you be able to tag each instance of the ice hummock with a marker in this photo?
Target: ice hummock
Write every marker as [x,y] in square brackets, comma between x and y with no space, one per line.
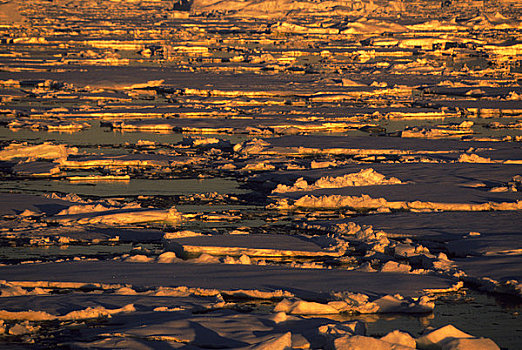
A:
[365,177]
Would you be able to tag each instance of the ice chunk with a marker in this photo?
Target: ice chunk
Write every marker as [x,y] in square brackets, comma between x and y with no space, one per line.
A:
[11,289]
[474,158]
[24,327]
[46,150]
[98,178]
[367,26]
[254,146]
[401,338]
[359,342]
[181,234]
[344,328]
[120,160]
[148,84]
[84,208]
[356,302]
[168,258]
[205,259]
[437,338]
[279,317]
[301,307]
[278,342]
[393,266]
[139,258]
[205,142]
[259,166]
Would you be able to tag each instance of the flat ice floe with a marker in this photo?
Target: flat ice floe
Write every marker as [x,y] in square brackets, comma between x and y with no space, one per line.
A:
[299,282]
[65,212]
[252,245]
[33,152]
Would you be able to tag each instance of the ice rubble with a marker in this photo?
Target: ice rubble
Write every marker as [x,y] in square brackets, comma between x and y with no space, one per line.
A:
[179,323]
[366,202]
[357,303]
[365,177]
[472,252]
[383,148]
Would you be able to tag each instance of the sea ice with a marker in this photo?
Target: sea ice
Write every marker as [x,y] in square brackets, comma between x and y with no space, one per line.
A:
[387,135]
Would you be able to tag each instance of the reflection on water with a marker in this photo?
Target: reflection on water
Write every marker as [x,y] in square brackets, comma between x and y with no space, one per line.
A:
[96,135]
[134,187]
[53,252]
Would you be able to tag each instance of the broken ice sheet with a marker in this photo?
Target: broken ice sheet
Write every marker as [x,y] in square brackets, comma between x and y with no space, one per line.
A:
[65,212]
[422,192]
[421,238]
[255,70]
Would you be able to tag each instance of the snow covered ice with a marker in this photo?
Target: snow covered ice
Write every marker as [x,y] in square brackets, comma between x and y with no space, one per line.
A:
[268,174]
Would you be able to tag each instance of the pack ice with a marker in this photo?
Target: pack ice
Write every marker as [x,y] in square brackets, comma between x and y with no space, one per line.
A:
[265,174]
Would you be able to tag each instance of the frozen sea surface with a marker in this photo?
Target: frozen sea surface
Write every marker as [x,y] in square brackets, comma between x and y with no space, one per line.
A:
[259,174]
